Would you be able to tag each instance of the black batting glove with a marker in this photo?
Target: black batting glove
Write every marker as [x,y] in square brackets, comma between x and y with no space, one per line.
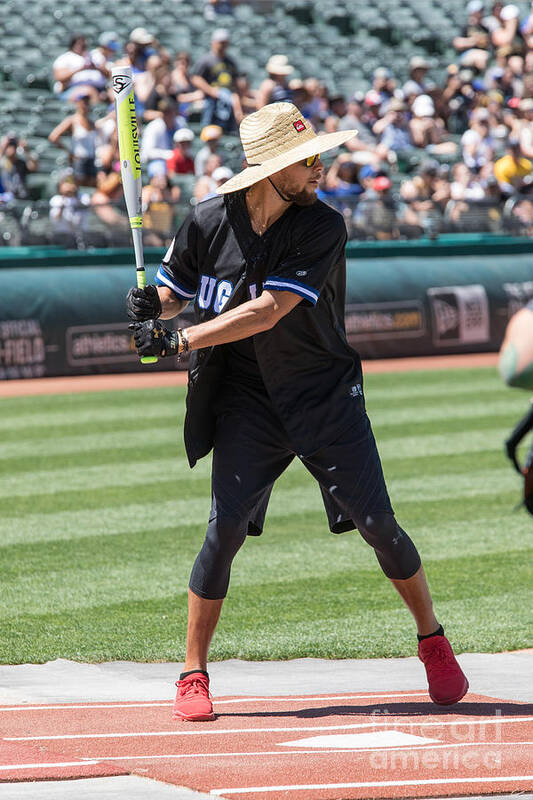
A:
[143,304]
[153,339]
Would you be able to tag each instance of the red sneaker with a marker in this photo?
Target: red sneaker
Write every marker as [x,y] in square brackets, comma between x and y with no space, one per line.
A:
[447,681]
[193,701]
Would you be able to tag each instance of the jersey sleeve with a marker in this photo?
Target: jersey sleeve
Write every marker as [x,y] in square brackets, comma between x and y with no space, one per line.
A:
[178,270]
[316,249]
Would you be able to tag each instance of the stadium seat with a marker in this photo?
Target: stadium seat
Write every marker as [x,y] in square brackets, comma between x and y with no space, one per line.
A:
[338,41]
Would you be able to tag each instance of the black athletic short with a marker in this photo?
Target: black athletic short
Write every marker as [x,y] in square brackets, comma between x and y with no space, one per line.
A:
[252,449]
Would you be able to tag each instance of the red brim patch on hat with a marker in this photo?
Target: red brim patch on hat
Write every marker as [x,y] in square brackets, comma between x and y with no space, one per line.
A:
[299,125]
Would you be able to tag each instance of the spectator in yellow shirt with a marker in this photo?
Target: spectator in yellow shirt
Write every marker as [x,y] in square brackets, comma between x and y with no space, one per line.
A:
[513,171]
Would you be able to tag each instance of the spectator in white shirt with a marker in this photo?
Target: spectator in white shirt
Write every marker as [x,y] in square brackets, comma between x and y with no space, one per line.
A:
[465,186]
[417,83]
[526,132]
[476,143]
[75,70]
[69,210]
[105,54]
[157,140]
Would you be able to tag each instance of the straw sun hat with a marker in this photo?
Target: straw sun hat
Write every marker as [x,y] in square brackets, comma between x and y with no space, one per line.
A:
[275,137]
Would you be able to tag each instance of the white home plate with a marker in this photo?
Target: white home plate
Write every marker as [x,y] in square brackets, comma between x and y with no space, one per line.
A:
[355,740]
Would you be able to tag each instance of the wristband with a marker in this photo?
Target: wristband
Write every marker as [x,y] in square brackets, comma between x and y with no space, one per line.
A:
[183,343]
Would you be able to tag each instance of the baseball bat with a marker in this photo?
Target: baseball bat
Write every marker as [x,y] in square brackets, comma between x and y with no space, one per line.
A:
[130,167]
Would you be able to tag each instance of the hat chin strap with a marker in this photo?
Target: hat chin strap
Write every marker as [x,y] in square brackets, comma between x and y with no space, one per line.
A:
[285,199]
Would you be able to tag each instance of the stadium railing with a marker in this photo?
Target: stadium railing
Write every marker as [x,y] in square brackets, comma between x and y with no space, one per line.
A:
[29,223]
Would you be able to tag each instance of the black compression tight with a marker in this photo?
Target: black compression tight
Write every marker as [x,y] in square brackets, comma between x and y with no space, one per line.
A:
[210,573]
[395,551]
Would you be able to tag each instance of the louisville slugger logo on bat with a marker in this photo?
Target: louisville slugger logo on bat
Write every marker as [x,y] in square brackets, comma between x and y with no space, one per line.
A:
[119,82]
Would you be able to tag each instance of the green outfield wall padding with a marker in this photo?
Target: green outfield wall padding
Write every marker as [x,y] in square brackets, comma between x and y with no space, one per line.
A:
[464,244]
[45,257]
[70,320]
[449,244]
[420,306]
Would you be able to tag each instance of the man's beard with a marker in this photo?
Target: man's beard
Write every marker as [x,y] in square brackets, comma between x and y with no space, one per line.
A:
[305,197]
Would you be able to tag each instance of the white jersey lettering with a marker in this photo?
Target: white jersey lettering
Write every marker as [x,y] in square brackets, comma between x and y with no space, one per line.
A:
[206,291]
[224,290]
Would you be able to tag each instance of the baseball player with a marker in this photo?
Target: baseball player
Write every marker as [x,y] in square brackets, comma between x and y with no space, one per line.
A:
[516,368]
[272,377]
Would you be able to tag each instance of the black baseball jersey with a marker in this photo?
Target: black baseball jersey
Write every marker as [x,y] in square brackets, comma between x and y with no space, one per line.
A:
[311,374]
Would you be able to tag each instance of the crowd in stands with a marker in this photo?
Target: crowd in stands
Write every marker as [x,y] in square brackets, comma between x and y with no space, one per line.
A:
[456,154]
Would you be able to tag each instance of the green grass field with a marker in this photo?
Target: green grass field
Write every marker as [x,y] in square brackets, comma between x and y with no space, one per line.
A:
[101,520]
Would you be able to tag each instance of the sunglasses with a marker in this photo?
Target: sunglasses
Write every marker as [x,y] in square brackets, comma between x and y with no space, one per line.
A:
[311,160]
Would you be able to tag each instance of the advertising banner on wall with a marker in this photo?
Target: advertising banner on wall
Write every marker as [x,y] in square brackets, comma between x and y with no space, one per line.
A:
[423,306]
[22,349]
[72,321]
[459,315]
